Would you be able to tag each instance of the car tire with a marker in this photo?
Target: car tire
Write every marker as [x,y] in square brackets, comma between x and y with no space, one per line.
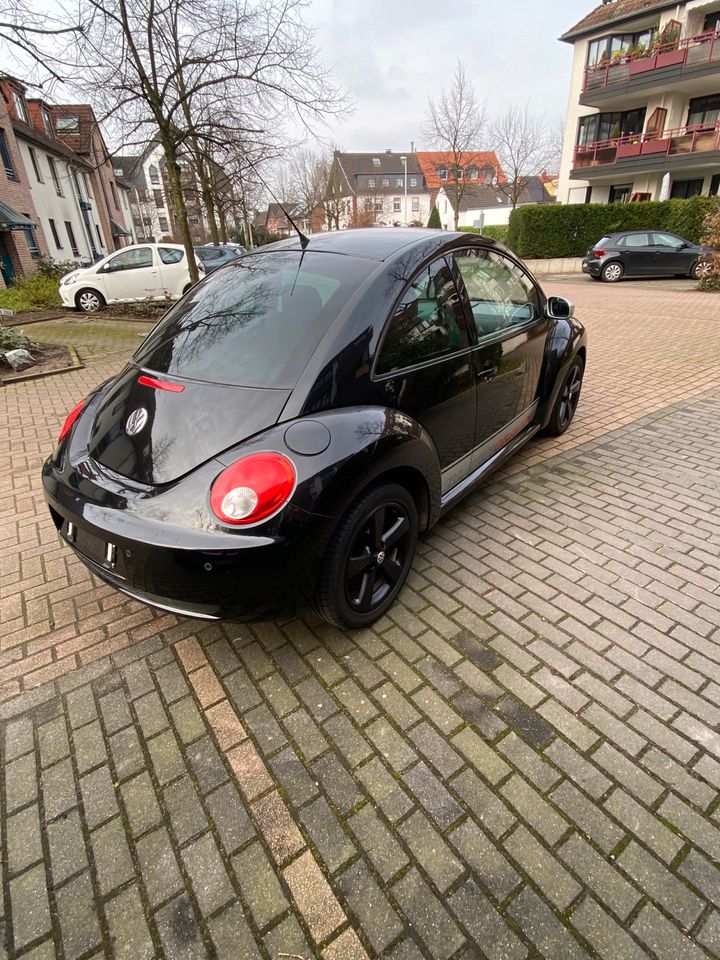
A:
[369,557]
[89,301]
[594,278]
[612,272]
[567,399]
[699,269]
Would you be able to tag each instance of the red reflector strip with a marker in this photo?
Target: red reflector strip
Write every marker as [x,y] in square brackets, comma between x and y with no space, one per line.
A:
[161,384]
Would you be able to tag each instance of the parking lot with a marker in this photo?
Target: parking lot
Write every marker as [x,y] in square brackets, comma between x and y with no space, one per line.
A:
[521,760]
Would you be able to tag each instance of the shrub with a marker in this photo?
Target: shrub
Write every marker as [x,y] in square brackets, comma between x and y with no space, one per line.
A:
[554,230]
[498,231]
[29,294]
[434,219]
[55,269]
[11,339]
[711,237]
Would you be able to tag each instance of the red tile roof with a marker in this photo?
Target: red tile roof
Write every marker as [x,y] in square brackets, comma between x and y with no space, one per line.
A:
[612,11]
[430,160]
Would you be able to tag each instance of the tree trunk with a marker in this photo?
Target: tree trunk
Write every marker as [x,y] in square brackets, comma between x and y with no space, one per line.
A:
[178,202]
[222,217]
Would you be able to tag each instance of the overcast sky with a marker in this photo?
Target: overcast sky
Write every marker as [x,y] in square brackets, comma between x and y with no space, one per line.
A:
[392,55]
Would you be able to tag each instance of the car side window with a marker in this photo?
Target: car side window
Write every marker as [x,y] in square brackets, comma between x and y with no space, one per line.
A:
[667,240]
[130,260]
[428,323]
[208,254]
[501,295]
[170,255]
[635,240]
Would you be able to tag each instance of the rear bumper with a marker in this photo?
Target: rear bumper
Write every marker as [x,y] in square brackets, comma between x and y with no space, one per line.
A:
[592,267]
[254,580]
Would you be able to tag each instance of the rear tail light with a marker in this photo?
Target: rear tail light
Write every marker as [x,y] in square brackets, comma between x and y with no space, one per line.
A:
[161,384]
[70,420]
[599,253]
[252,489]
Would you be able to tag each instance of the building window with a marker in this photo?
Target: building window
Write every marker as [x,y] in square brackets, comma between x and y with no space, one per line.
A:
[376,161]
[442,173]
[159,199]
[46,122]
[35,166]
[712,22]
[618,45]
[413,181]
[371,181]
[71,237]
[399,182]
[683,189]
[620,193]
[6,158]
[396,204]
[55,177]
[386,183]
[31,241]
[416,204]
[164,225]
[368,205]
[54,232]
[154,174]
[20,108]
[379,204]
[67,124]
[472,173]
[610,126]
[704,111]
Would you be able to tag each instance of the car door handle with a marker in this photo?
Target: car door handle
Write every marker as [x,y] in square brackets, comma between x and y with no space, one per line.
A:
[487,373]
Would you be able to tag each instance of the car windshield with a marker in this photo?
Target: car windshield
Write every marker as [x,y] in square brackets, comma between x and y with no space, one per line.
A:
[257,322]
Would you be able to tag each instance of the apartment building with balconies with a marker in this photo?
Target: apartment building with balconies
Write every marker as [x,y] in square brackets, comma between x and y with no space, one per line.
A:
[643,119]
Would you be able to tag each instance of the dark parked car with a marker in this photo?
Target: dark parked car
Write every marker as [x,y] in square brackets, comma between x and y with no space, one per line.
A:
[214,257]
[286,431]
[644,253]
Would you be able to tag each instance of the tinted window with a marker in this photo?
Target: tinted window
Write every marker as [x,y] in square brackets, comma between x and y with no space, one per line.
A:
[427,323]
[501,295]
[170,254]
[667,240]
[131,259]
[634,240]
[257,322]
[208,253]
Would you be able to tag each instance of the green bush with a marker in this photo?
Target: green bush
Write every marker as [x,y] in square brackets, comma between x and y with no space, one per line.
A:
[12,339]
[545,231]
[55,269]
[30,294]
[434,219]
[498,232]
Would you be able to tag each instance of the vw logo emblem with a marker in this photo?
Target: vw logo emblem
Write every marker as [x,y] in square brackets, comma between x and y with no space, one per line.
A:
[381,558]
[136,421]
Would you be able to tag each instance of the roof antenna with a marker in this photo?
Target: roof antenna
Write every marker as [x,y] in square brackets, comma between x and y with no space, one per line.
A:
[304,240]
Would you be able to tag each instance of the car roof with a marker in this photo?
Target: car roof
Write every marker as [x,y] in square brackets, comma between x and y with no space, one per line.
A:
[373,243]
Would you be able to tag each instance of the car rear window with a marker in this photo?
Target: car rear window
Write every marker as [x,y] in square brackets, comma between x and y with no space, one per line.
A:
[257,322]
[171,254]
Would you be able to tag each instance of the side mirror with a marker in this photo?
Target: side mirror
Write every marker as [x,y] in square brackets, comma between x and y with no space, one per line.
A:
[559,308]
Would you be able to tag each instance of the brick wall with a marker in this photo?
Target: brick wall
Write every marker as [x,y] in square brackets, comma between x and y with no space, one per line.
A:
[17,194]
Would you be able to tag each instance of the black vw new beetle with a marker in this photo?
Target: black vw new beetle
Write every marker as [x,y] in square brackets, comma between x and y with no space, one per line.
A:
[291,426]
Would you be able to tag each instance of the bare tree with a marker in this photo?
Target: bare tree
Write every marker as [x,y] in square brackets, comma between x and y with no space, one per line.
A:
[309,173]
[170,68]
[526,147]
[455,124]
[37,41]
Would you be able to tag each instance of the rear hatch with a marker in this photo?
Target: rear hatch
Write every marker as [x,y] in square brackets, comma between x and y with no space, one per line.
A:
[222,363]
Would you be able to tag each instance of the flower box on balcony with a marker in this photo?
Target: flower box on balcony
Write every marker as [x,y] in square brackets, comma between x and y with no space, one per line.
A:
[642,66]
[670,58]
[628,150]
[655,146]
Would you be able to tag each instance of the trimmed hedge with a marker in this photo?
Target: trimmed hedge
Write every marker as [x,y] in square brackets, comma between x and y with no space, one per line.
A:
[498,232]
[545,231]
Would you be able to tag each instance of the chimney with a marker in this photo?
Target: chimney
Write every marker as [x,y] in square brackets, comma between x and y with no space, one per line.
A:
[412,146]
[389,150]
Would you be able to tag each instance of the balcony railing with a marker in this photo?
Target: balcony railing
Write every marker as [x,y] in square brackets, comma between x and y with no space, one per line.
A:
[701,138]
[704,48]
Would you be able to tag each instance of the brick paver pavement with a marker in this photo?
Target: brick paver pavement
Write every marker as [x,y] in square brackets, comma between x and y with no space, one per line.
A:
[523,760]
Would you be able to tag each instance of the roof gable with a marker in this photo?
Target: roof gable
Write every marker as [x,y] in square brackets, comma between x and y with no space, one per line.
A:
[431,160]
[614,11]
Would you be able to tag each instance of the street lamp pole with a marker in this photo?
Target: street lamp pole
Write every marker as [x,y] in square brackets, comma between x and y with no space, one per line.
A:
[403,160]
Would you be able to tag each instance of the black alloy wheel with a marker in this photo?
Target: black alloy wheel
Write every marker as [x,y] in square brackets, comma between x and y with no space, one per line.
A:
[568,399]
[369,557]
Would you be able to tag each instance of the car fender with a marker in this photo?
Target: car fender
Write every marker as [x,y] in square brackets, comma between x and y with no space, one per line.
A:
[566,340]
[338,453]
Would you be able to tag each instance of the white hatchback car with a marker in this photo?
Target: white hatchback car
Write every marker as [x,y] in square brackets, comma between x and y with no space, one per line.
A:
[145,271]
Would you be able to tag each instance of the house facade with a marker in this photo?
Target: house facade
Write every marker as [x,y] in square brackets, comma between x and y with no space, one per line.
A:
[383,189]
[644,107]
[485,205]
[148,195]
[442,168]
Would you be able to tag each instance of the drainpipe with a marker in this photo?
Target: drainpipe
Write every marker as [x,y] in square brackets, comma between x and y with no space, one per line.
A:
[82,214]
